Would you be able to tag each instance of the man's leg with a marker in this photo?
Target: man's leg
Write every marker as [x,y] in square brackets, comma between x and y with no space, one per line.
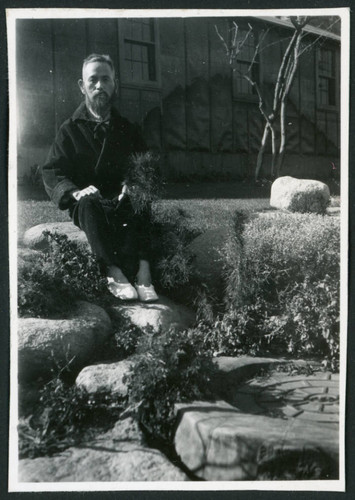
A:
[89,215]
[138,243]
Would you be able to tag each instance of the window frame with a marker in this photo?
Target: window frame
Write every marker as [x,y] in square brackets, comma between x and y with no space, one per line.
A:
[326,106]
[140,84]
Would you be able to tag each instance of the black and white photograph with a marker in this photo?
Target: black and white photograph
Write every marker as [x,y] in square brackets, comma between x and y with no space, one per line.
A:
[178,224]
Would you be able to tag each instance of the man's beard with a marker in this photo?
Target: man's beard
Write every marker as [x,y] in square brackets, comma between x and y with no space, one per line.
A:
[101,103]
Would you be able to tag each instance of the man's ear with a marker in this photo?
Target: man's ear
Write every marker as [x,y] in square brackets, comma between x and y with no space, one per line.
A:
[81,86]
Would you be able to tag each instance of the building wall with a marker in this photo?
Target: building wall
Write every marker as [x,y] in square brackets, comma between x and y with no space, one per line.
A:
[191,114]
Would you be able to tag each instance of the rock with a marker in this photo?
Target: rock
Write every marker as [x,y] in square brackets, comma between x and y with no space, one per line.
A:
[118,455]
[162,314]
[105,377]
[45,345]
[333,211]
[299,195]
[208,263]
[35,239]
[219,443]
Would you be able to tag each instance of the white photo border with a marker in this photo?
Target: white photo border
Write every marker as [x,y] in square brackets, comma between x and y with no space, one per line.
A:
[65,13]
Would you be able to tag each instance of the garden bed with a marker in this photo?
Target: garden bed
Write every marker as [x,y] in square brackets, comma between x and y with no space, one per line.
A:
[280,296]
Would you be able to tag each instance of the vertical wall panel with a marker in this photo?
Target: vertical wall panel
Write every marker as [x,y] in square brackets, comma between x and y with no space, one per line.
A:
[35,95]
[197,90]
[221,103]
[151,118]
[332,133]
[307,100]
[130,104]
[255,128]
[102,37]
[321,133]
[172,58]
[69,52]
[240,117]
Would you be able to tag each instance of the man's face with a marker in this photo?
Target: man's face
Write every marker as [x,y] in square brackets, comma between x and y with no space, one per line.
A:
[99,86]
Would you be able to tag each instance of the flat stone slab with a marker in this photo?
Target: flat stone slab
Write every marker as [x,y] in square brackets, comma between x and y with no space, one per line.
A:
[219,443]
[310,398]
[34,237]
[231,370]
[270,419]
[163,314]
[118,455]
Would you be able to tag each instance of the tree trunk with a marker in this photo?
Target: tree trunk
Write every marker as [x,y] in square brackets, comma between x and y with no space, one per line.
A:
[289,77]
[259,161]
[281,153]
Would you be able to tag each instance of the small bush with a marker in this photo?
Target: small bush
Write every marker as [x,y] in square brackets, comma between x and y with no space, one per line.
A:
[282,289]
[172,262]
[286,249]
[66,273]
[143,180]
[173,368]
[64,416]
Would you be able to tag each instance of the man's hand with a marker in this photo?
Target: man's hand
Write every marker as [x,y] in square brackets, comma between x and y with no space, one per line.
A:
[123,192]
[85,192]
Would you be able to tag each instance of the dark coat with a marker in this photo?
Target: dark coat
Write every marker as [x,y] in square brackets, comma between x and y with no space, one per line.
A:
[73,164]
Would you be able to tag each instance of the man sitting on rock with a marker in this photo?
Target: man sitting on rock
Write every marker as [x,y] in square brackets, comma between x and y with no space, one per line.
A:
[85,173]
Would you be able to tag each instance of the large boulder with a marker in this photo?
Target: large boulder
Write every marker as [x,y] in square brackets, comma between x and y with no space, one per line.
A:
[118,455]
[299,195]
[158,315]
[108,377]
[34,237]
[47,345]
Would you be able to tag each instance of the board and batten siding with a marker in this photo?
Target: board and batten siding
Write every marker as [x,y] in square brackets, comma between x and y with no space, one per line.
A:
[191,113]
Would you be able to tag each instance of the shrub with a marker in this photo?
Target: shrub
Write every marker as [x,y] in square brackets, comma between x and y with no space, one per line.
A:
[282,289]
[143,180]
[63,417]
[66,273]
[172,261]
[286,249]
[173,368]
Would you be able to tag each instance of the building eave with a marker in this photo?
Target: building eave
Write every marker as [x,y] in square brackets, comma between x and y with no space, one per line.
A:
[308,28]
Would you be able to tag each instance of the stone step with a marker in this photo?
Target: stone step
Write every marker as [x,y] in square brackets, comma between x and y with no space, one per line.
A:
[219,443]
[118,455]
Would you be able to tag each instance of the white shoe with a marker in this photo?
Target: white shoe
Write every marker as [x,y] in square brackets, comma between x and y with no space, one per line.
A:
[146,293]
[123,291]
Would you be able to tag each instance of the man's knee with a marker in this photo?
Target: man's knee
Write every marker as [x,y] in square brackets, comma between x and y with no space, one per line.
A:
[87,207]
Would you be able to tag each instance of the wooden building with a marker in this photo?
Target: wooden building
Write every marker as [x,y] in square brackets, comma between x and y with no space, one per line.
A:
[176,81]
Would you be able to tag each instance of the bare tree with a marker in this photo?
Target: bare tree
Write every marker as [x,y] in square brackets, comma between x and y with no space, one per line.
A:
[282,86]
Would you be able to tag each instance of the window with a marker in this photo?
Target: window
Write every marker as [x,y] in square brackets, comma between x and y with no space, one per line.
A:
[326,77]
[138,60]
[244,59]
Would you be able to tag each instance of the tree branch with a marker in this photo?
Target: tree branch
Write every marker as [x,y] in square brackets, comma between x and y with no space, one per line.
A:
[222,40]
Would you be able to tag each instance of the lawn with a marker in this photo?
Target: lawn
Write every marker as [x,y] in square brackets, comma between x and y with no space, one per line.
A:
[208,205]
